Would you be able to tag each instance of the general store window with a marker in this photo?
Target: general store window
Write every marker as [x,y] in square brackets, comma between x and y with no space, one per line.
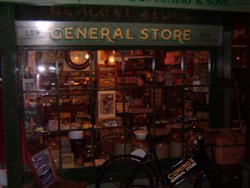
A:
[90,105]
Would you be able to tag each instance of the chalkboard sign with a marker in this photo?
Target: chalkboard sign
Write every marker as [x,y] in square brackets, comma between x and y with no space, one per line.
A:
[43,168]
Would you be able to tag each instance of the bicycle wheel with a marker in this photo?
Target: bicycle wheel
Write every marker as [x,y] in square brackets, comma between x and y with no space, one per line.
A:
[126,172]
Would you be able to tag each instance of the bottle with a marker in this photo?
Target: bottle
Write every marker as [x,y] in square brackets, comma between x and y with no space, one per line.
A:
[140,141]
[176,143]
[54,150]
[88,159]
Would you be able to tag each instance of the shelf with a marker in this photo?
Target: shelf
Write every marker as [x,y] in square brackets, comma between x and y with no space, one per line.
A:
[79,101]
[129,57]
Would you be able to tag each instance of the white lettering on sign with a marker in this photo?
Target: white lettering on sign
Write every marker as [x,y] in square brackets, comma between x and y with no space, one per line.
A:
[43,168]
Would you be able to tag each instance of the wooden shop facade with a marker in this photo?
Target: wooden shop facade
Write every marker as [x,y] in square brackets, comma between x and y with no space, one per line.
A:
[72,73]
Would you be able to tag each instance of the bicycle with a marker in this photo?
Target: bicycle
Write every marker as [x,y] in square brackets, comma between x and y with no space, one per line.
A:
[128,170]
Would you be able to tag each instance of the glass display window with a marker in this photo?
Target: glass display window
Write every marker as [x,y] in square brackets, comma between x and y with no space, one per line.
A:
[86,113]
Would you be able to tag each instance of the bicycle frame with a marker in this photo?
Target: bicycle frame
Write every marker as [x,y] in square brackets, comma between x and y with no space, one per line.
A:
[196,160]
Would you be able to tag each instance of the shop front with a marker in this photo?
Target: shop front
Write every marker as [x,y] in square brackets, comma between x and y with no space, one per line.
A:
[88,103]
[93,81]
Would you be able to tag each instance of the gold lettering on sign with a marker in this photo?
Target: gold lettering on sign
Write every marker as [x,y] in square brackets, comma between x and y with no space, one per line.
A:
[144,34]
[129,35]
[119,33]
[177,35]
[187,35]
[105,33]
[81,33]
[184,167]
[56,33]
[166,34]
[93,33]
[155,33]
[68,33]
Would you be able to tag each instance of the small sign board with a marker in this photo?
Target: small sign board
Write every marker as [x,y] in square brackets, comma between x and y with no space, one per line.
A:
[43,167]
[181,170]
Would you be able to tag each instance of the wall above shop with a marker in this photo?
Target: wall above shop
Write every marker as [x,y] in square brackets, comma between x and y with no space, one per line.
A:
[117,14]
[213,5]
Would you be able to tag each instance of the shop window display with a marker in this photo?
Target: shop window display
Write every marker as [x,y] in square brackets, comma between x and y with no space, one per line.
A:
[89,112]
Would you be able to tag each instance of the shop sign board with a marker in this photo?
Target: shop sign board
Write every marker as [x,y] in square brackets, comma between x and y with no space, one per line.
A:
[33,33]
[214,5]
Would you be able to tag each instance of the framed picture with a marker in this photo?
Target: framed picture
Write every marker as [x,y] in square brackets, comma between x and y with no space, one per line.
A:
[45,57]
[68,161]
[106,76]
[65,119]
[29,84]
[106,104]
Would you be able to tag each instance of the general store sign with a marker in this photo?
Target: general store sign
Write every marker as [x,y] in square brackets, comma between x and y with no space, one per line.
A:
[217,5]
[33,33]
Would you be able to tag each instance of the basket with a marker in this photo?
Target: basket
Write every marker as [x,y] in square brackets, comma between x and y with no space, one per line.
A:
[229,145]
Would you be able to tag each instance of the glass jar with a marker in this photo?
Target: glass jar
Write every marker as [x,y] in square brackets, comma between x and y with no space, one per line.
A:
[122,146]
[176,143]
[162,150]
[140,144]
